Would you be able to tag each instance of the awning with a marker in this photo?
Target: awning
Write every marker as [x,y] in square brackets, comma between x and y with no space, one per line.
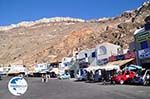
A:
[93,68]
[55,70]
[110,67]
[13,72]
[116,64]
[120,62]
[44,71]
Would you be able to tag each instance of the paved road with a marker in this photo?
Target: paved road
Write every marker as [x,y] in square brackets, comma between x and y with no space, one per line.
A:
[68,89]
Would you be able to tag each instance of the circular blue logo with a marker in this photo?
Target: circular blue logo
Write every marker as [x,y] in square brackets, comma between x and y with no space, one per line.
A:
[17,86]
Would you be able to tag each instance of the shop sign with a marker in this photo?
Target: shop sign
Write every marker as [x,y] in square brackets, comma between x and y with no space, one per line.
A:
[120,57]
[130,55]
[145,53]
[112,58]
[143,36]
[103,61]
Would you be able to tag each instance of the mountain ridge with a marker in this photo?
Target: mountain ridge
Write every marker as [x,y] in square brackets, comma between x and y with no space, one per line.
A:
[60,19]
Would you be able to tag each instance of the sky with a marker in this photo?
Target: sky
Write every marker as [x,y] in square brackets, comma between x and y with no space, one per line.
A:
[15,11]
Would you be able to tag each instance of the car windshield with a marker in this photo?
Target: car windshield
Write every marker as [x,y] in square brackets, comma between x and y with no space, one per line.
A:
[127,72]
[148,72]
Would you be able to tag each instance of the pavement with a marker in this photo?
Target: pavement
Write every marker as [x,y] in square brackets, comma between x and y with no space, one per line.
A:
[69,89]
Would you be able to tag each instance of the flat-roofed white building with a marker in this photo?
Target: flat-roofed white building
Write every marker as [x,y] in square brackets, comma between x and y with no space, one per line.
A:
[41,67]
[15,69]
[104,51]
[66,61]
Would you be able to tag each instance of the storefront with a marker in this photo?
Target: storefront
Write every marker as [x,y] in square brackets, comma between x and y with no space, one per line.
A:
[144,57]
[104,51]
[142,41]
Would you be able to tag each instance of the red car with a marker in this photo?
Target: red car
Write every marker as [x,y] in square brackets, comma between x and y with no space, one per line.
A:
[123,77]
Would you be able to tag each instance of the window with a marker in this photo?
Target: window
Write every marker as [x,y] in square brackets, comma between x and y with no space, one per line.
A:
[144,45]
[65,64]
[147,26]
[76,54]
[102,50]
[93,54]
[85,54]
[148,72]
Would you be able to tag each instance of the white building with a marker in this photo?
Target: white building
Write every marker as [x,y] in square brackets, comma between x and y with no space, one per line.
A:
[86,56]
[104,51]
[98,55]
[66,62]
[15,69]
[41,67]
[1,70]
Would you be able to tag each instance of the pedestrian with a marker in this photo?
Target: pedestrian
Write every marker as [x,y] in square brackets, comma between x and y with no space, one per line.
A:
[88,75]
[104,76]
[91,75]
[46,77]
[42,78]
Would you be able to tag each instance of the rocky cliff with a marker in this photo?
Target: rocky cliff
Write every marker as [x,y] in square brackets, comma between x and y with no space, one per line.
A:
[50,39]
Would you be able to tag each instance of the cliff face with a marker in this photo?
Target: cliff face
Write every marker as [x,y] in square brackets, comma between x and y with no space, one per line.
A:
[48,40]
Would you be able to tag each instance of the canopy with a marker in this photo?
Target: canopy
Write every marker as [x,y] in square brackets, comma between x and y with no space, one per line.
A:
[111,67]
[120,62]
[56,70]
[44,71]
[93,68]
[13,72]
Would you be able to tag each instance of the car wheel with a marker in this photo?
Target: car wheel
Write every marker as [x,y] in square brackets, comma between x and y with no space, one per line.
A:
[113,82]
[121,82]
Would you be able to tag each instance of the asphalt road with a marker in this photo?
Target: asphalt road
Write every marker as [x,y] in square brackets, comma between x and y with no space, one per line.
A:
[68,89]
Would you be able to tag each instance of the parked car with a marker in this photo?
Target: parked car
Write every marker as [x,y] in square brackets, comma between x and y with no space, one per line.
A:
[124,77]
[64,76]
[143,79]
[81,74]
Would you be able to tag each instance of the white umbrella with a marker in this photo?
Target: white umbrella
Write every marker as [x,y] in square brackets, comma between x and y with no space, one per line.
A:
[93,68]
[56,70]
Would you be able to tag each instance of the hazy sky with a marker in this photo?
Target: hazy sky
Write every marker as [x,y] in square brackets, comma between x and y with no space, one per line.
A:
[14,11]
